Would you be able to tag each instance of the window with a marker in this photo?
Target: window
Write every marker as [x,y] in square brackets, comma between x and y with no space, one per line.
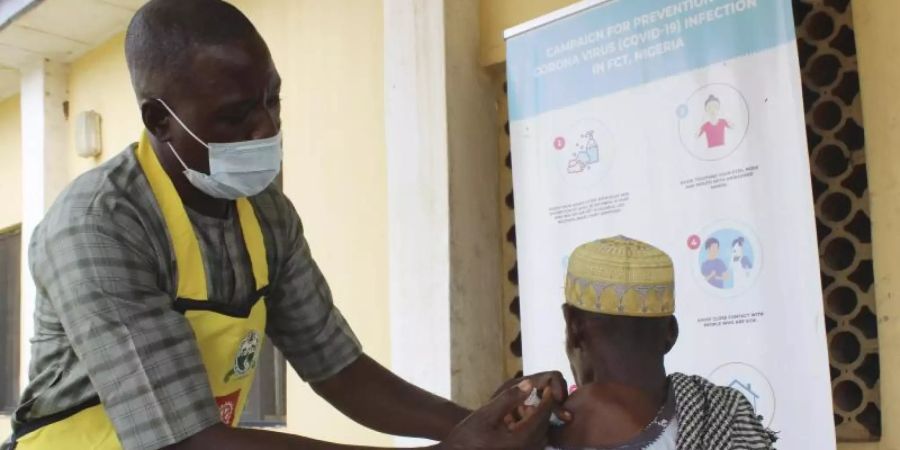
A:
[10,266]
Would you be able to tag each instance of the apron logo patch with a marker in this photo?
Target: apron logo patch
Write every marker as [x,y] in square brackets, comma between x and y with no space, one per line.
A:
[245,360]
[227,406]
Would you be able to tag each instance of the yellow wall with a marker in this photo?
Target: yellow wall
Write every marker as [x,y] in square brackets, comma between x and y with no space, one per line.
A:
[10,163]
[878,43]
[330,57]
[99,81]
[498,15]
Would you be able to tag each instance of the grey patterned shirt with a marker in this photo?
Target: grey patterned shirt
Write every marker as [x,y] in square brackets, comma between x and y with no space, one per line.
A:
[106,279]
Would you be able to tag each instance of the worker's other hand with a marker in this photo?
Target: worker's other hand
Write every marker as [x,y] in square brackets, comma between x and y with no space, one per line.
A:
[544,381]
[491,428]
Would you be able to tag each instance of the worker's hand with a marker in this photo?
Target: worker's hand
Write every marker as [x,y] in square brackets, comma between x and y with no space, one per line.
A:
[489,428]
[544,381]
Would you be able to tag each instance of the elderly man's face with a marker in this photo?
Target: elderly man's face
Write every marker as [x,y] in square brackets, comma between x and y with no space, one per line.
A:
[229,93]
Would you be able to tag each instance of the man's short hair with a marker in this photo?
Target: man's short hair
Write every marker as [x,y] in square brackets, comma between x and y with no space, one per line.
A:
[162,34]
[712,241]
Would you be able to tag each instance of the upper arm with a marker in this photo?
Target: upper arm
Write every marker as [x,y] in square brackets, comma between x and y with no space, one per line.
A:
[303,321]
[140,355]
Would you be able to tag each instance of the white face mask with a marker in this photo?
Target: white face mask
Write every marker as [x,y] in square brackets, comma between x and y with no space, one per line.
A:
[236,169]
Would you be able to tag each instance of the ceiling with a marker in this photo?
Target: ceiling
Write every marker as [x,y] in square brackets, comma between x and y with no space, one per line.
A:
[61,30]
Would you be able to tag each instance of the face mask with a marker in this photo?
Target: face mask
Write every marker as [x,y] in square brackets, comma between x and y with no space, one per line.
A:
[236,169]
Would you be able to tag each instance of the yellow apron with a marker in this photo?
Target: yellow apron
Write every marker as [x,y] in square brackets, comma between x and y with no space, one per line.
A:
[229,338]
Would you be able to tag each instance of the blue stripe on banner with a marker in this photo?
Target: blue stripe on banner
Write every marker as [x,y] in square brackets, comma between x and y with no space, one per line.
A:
[624,43]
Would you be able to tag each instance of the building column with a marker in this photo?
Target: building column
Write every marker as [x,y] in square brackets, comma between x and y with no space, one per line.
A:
[476,274]
[443,220]
[44,93]
[418,194]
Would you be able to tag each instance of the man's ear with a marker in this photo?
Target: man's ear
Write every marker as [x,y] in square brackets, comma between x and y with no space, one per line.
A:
[156,119]
[672,335]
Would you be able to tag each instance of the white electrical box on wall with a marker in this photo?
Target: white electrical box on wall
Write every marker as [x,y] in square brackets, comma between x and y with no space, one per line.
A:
[87,134]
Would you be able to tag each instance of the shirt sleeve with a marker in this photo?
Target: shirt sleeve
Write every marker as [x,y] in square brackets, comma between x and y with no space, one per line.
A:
[302,320]
[140,355]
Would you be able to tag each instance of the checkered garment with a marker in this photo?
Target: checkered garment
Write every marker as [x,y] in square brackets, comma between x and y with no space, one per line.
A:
[716,418]
[106,278]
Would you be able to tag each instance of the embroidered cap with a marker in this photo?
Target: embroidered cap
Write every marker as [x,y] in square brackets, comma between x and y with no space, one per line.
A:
[621,276]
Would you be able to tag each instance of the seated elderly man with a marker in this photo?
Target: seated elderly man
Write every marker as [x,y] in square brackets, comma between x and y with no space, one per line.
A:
[619,326]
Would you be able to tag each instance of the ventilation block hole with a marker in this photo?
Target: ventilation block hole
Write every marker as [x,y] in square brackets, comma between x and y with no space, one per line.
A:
[801,10]
[513,274]
[510,200]
[863,276]
[805,51]
[819,25]
[871,419]
[847,396]
[514,307]
[869,370]
[836,206]
[852,134]
[834,372]
[829,324]
[810,97]
[832,161]
[841,301]
[866,323]
[858,181]
[860,227]
[819,188]
[839,254]
[848,88]
[516,346]
[827,115]
[823,70]
[822,230]
[826,280]
[845,42]
[844,347]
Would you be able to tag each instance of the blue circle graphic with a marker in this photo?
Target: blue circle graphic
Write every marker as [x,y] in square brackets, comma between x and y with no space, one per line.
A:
[727,259]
